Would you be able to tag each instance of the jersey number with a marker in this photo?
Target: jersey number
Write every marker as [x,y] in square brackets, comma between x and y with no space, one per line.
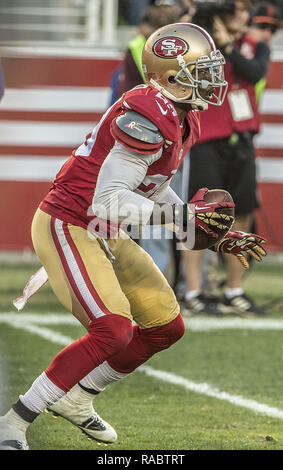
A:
[152,183]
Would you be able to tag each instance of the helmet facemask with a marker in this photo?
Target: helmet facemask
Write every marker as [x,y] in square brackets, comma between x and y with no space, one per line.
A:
[204,74]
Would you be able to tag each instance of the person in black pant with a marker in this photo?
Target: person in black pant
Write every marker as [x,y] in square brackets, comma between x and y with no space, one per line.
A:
[225,157]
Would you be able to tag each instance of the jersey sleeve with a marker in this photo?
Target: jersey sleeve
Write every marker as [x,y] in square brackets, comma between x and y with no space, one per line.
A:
[166,195]
[137,133]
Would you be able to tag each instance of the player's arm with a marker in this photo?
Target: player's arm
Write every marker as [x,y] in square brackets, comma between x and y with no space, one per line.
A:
[252,69]
[165,194]
[138,145]
[121,173]
[115,199]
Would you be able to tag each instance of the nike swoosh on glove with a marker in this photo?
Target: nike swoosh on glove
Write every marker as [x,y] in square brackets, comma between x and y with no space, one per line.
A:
[204,214]
[241,243]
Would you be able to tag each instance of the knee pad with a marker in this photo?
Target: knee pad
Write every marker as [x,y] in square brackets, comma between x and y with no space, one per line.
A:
[145,343]
[162,337]
[112,333]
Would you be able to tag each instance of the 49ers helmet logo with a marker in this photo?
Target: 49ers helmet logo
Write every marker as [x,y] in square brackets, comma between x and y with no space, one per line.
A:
[170,47]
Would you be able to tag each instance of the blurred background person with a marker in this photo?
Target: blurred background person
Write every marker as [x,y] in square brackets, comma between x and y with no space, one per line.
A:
[225,156]
[265,23]
[157,14]
[137,10]
[190,7]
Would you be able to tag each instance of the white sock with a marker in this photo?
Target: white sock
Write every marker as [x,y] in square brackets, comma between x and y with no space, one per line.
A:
[42,393]
[101,376]
[191,294]
[233,292]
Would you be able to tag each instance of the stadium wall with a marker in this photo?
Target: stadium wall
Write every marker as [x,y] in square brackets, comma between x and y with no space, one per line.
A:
[52,101]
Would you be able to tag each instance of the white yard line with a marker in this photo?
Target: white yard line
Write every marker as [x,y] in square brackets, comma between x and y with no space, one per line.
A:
[206,389]
[30,322]
[191,323]
[45,333]
[38,318]
[232,323]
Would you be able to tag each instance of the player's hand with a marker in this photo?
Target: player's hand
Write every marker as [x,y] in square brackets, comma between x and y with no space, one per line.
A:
[241,243]
[205,216]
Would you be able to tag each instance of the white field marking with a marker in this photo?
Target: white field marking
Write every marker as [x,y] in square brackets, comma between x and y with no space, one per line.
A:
[20,321]
[206,389]
[39,319]
[192,323]
[45,333]
[234,323]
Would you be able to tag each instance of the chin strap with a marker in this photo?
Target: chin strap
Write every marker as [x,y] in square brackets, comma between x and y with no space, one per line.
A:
[199,103]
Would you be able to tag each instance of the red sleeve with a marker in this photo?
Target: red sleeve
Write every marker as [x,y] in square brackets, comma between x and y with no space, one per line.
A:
[146,101]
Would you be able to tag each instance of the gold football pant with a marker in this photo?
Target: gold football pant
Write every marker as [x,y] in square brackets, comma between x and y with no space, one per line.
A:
[92,278]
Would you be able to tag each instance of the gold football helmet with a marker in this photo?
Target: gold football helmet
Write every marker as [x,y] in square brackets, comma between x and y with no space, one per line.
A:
[182,62]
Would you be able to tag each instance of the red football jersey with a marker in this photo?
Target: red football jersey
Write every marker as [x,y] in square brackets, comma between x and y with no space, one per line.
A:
[71,195]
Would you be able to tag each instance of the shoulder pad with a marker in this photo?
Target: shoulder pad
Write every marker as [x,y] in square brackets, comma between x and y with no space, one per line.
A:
[139,127]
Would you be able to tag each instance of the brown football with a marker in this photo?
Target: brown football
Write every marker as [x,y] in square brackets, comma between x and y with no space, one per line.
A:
[202,239]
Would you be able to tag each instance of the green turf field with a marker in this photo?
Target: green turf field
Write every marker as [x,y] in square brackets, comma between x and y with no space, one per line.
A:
[218,388]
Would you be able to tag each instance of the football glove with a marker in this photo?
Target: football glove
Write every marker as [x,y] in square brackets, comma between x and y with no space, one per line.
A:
[205,216]
[241,243]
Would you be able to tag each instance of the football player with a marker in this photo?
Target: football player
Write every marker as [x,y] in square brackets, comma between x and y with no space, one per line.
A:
[119,176]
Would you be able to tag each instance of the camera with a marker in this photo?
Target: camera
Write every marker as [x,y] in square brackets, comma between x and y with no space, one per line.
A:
[207,10]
